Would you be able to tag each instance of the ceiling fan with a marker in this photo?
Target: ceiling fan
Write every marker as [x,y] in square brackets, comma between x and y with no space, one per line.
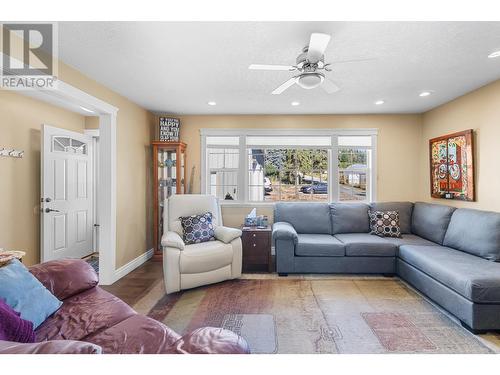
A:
[311,67]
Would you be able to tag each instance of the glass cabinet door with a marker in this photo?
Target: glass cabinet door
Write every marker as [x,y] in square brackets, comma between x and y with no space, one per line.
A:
[167,181]
[181,173]
[170,180]
[167,173]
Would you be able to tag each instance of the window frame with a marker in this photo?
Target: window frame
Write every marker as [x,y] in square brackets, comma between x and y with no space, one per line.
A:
[333,152]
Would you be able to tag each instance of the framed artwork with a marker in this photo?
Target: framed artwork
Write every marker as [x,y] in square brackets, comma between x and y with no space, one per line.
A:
[169,129]
[452,166]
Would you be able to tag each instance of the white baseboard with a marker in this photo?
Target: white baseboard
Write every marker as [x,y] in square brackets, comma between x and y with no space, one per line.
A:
[132,265]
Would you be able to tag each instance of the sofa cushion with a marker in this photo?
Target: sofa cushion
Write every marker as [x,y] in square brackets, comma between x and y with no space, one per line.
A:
[143,336]
[305,217]
[475,232]
[365,244]
[83,314]
[205,257]
[470,276]
[409,239]
[319,245]
[430,221]
[65,277]
[385,223]
[404,208]
[349,218]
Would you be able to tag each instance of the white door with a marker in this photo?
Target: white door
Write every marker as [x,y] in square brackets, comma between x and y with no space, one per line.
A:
[66,201]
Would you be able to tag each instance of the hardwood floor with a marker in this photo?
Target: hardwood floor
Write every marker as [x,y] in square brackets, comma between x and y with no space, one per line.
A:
[137,283]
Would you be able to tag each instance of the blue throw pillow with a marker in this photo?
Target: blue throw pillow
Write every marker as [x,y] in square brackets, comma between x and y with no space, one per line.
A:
[25,294]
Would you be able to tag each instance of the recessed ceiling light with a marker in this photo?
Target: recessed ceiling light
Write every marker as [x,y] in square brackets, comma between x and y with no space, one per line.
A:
[212,103]
[494,54]
[379,102]
[295,103]
[86,109]
[425,93]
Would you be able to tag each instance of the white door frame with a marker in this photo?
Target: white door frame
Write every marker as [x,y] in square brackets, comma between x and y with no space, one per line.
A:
[75,100]
[94,133]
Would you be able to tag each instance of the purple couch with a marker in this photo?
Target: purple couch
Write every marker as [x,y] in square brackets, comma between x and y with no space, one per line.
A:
[92,320]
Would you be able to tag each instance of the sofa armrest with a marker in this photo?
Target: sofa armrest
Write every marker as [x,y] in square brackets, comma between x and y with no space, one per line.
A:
[284,231]
[210,340]
[172,239]
[226,234]
[65,277]
[50,347]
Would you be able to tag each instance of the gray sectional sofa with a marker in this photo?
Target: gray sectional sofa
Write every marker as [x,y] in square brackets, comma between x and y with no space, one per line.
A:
[450,255]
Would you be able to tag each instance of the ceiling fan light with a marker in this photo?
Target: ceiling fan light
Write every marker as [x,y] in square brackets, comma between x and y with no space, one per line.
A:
[310,80]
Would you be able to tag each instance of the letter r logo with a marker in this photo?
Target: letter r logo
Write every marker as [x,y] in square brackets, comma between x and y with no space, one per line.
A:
[28,49]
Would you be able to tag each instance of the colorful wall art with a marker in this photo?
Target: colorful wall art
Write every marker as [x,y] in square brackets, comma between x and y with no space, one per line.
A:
[452,166]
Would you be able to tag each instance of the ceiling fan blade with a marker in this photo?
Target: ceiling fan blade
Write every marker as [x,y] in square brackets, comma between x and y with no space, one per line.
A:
[284,86]
[271,67]
[317,46]
[329,86]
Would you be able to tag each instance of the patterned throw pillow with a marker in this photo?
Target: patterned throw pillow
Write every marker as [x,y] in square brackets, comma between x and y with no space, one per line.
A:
[197,228]
[385,223]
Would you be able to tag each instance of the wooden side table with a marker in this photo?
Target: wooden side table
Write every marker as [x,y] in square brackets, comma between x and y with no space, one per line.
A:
[257,249]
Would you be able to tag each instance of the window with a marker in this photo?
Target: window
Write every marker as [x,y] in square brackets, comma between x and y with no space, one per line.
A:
[280,174]
[289,165]
[69,145]
[223,166]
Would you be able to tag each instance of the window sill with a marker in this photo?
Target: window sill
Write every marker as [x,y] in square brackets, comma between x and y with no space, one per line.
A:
[228,203]
[225,203]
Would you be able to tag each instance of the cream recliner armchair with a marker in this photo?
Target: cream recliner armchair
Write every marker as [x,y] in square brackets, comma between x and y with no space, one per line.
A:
[189,266]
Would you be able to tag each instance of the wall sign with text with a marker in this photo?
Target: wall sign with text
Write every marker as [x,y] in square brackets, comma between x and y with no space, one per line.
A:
[169,129]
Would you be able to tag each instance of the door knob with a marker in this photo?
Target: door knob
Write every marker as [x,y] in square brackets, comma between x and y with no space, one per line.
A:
[46,200]
[47,210]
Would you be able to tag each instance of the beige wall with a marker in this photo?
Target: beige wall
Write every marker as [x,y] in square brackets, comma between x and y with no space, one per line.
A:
[20,123]
[398,147]
[134,173]
[20,128]
[478,110]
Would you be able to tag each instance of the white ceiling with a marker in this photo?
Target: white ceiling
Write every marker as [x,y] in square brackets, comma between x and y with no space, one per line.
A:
[179,67]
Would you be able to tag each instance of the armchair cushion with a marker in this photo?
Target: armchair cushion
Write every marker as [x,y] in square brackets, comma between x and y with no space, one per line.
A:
[172,239]
[49,347]
[205,257]
[226,234]
[284,231]
[65,277]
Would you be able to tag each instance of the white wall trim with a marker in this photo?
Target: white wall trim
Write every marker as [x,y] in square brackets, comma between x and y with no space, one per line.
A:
[287,131]
[92,132]
[133,264]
